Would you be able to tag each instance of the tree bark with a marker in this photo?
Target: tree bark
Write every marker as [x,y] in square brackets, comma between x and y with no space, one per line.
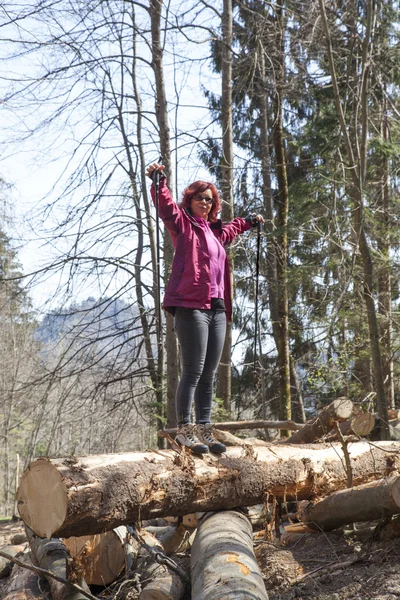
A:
[82,496]
[222,560]
[339,410]
[375,500]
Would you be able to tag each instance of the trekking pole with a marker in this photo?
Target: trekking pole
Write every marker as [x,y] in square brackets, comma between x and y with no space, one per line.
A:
[256,293]
[156,180]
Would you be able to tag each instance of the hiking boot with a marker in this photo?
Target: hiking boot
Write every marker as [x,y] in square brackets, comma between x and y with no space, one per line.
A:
[205,435]
[186,436]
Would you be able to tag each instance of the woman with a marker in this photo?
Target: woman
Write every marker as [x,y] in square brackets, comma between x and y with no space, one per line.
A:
[198,294]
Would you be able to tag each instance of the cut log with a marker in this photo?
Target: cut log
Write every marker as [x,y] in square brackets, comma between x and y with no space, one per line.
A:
[375,500]
[360,424]
[239,425]
[393,414]
[64,497]
[5,563]
[222,562]
[101,556]
[173,539]
[53,556]
[164,584]
[258,514]
[339,410]
[23,584]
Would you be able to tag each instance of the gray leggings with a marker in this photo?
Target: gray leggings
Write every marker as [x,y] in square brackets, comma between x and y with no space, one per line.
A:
[201,335]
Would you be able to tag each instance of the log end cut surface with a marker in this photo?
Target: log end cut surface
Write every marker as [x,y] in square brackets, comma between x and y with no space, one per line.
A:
[102,556]
[42,498]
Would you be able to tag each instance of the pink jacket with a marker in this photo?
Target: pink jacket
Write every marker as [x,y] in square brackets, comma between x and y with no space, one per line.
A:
[189,282]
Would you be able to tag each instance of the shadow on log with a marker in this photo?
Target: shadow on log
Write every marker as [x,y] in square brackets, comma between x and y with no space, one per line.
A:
[222,563]
[53,556]
[5,563]
[23,584]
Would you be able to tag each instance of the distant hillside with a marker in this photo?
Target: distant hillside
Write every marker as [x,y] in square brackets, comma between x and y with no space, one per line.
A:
[106,322]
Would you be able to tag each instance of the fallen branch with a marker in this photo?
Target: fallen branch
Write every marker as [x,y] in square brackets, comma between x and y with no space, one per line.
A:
[335,567]
[238,425]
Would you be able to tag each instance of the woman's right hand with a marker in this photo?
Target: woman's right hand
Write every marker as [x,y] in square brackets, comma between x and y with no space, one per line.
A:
[154,167]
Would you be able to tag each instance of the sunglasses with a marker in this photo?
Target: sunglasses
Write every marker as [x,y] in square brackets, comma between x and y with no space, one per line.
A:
[206,199]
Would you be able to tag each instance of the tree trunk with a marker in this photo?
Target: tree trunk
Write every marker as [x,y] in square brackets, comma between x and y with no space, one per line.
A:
[339,410]
[385,273]
[82,496]
[162,120]
[285,407]
[224,375]
[222,560]
[357,168]
[298,412]
[375,500]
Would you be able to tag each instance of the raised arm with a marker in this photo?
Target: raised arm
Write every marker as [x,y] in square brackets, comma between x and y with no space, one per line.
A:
[169,211]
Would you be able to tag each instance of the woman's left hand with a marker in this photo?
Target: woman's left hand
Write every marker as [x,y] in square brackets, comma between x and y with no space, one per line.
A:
[255,219]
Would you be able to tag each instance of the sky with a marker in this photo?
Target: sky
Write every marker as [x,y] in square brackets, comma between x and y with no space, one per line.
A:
[38,166]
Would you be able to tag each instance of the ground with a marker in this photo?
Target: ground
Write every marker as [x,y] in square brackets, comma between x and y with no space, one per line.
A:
[332,566]
[309,566]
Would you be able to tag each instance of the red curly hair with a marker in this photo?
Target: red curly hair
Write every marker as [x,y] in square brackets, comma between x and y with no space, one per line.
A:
[198,187]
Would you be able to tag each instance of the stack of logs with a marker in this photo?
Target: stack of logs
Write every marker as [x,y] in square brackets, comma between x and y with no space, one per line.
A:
[90,520]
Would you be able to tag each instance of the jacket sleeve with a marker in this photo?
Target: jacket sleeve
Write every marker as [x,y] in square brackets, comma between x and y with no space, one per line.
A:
[232,229]
[168,210]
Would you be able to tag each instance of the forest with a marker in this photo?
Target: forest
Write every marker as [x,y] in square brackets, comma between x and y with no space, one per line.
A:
[292,109]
